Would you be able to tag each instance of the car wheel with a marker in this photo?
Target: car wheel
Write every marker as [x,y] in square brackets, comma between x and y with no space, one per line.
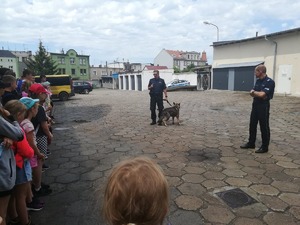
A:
[63,96]
[86,91]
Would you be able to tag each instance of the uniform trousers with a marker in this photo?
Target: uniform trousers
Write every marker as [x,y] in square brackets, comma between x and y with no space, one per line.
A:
[260,114]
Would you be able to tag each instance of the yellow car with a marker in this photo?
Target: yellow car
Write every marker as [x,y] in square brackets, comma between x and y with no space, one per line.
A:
[61,86]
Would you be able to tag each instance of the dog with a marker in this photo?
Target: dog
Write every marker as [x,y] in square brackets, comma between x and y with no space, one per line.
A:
[170,112]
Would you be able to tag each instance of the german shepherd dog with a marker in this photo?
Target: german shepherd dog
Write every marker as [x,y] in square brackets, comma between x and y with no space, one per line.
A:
[170,112]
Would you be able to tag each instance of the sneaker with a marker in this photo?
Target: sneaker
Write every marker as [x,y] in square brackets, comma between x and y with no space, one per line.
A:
[45,186]
[14,221]
[42,192]
[37,200]
[34,206]
[46,167]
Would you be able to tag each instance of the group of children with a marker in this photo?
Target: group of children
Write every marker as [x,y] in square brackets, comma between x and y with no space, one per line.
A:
[136,193]
[24,137]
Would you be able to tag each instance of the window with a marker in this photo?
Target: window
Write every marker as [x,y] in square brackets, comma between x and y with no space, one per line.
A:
[83,72]
[72,60]
[95,72]
[82,61]
[11,67]
[61,60]
[73,71]
[62,71]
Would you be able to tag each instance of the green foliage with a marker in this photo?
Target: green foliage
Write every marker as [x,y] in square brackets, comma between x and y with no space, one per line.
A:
[42,64]
[189,68]
[176,69]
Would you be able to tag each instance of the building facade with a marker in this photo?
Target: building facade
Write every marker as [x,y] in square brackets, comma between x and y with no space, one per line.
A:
[138,80]
[10,61]
[180,59]
[23,56]
[78,66]
[234,62]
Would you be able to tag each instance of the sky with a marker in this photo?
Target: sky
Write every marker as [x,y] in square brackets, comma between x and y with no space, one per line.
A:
[137,30]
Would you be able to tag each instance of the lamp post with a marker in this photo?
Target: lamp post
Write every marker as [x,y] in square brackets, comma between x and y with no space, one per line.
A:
[208,23]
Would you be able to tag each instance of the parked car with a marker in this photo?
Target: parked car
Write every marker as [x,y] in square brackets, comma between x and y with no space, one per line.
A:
[61,86]
[178,83]
[82,87]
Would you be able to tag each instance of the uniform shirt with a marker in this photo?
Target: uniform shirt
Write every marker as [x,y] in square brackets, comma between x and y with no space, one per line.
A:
[158,85]
[266,85]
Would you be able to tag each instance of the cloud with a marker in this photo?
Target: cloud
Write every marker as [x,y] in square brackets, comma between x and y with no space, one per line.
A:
[138,30]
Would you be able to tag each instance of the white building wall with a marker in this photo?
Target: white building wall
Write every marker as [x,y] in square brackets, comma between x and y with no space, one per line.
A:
[288,53]
[10,63]
[146,75]
[191,77]
[164,59]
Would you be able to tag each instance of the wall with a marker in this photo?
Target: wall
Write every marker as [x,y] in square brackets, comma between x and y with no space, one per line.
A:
[191,77]
[146,75]
[164,59]
[288,54]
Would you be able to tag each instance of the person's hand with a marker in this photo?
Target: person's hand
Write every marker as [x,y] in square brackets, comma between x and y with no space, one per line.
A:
[252,93]
[41,156]
[7,142]
[151,86]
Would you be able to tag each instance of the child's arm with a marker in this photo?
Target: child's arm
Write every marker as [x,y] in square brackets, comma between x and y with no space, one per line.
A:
[30,139]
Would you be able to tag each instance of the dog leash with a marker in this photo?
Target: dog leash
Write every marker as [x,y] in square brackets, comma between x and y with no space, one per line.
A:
[167,101]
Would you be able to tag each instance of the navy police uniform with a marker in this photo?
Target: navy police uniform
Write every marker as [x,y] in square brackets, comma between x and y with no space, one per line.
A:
[156,96]
[260,112]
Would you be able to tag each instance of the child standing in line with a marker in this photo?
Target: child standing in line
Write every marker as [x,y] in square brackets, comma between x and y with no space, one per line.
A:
[43,136]
[23,153]
[28,80]
[9,132]
[136,193]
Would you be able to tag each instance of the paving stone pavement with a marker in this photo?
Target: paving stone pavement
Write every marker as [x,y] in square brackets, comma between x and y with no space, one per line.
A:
[200,158]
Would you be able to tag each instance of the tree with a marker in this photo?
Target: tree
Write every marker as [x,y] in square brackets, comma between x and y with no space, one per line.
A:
[42,64]
[189,68]
[176,69]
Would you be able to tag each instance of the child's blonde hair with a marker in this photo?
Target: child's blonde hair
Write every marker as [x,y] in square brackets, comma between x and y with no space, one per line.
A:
[14,107]
[137,192]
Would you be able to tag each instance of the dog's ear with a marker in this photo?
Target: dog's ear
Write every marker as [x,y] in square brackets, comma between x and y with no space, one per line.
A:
[179,104]
[174,103]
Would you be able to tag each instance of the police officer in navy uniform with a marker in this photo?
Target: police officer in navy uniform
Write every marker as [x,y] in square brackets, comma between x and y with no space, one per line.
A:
[157,87]
[262,93]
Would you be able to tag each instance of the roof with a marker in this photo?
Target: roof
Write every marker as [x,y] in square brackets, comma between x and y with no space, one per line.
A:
[155,67]
[220,43]
[6,54]
[234,65]
[179,54]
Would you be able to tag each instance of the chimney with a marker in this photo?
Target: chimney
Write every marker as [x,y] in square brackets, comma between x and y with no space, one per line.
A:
[203,57]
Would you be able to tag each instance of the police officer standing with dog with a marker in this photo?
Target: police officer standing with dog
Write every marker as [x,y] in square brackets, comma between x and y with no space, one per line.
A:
[262,93]
[157,87]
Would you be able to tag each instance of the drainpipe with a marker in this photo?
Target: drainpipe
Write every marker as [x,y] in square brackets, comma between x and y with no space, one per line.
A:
[275,55]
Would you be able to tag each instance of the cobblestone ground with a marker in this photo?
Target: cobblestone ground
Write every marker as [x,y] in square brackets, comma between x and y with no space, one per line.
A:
[200,158]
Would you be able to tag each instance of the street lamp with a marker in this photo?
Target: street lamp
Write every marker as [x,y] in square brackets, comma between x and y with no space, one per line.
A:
[208,23]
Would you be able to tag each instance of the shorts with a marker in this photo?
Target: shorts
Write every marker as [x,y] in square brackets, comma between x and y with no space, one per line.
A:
[5,193]
[24,175]
[33,161]
[42,144]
